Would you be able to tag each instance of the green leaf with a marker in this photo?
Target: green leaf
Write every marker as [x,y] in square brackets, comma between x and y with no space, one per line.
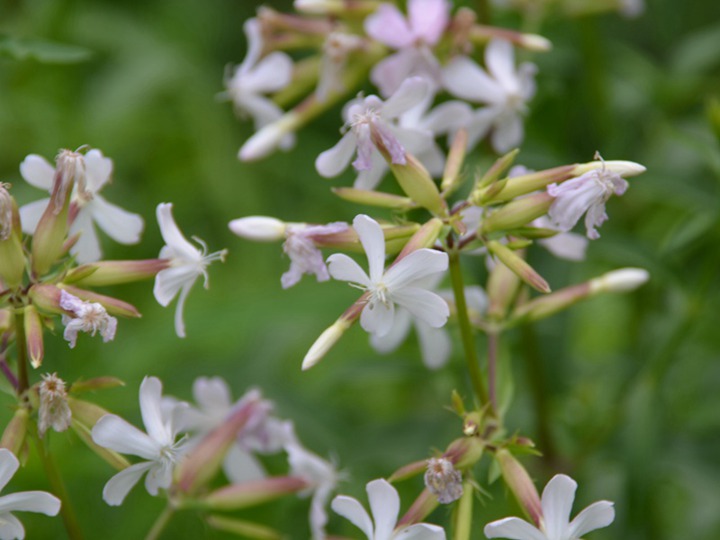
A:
[47,52]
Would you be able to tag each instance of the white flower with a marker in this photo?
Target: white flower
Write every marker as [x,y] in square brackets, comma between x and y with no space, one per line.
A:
[369,115]
[399,284]
[90,317]
[336,49]
[187,263]
[586,194]
[385,506]
[557,500]
[92,173]
[504,89]
[412,37]
[54,409]
[157,446]
[305,257]
[24,501]
[257,76]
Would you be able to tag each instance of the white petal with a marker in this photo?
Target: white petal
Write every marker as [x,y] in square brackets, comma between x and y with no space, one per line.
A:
[369,179]
[9,465]
[30,501]
[343,268]
[420,531]
[264,111]
[159,476]
[411,92]
[119,486]
[253,34]
[179,308]
[395,336]
[514,529]
[413,139]
[98,169]
[418,265]
[31,213]
[557,500]
[114,433]
[120,225]
[37,172]
[447,117]
[87,248]
[500,61]
[435,345]
[172,235]
[11,528]
[596,516]
[352,510]
[212,394]
[335,160]
[270,74]
[479,124]
[568,246]
[390,72]
[377,318]
[151,410]
[389,26]
[433,159]
[508,132]
[463,78]
[373,241]
[241,466]
[385,507]
[428,19]
[423,305]
[169,281]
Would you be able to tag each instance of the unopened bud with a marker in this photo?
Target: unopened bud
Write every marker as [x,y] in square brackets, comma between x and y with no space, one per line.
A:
[238,496]
[519,266]
[519,482]
[408,471]
[550,304]
[622,168]
[443,481]
[269,137]
[518,213]
[54,409]
[415,181]
[455,160]
[12,257]
[425,237]
[465,451]
[13,438]
[623,280]
[34,335]
[532,42]
[425,503]
[502,289]
[259,228]
[501,165]
[374,198]
[111,457]
[337,7]
[103,273]
[325,342]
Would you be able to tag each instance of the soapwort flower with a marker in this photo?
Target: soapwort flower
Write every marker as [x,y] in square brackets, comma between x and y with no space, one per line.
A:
[385,506]
[24,501]
[92,171]
[89,317]
[158,446]
[557,500]
[187,263]
[54,409]
[400,284]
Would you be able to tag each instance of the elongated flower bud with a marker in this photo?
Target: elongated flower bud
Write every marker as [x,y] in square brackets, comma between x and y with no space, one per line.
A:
[259,228]
[103,273]
[456,157]
[357,8]
[623,280]
[238,496]
[425,503]
[518,265]
[517,213]
[416,182]
[34,336]
[13,438]
[326,341]
[519,482]
[12,257]
[374,198]
[112,305]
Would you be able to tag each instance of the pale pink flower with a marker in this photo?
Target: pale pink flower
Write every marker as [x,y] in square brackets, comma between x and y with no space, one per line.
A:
[305,257]
[443,480]
[54,410]
[89,317]
[337,48]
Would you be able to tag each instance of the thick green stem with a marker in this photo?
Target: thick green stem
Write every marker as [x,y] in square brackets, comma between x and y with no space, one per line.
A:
[72,526]
[466,330]
[22,360]
[160,523]
[493,338]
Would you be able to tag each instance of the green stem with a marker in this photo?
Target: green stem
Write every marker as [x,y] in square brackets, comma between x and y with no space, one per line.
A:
[466,330]
[22,361]
[160,523]
[72,525]
[493,338]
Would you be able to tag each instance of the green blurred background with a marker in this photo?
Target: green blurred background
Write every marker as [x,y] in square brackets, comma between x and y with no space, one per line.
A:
[623,394]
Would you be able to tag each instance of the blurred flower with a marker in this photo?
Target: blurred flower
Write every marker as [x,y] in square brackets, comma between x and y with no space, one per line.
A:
[337,47]
[504,89]
[157,446]
[412,37]
[90,173]
[24,501]
[443,480]
[187,263]
[54,409]
[90,317]
[305,257]
[400,284]
[385,506]
[557,500]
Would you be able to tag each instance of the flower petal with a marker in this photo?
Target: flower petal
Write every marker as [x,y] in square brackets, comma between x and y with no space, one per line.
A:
[390,72]
[377,318]
[241,466]
[151,410]
[270,74]
[508,132]
[369,179]
[385,507]
[98,169]
[596,516]
[353,511]
[428,19]
[87,248]
[159,476]
[37,172]
[411,92]
[343,268]
[253,34]
[420,531]
[463,78]
[424,305]
[9,465]
[568,246]
[10,527]
[119,486]
[373,242]
[120,225]
[500,62]
[557,500]
[418,265]
[514,529]
[179,309]
[172,235]
[335,160]
[396,335]
[30,501]
[31,213]
[169,281]
[389,26]
[114,433]
[435,345]
[212,394]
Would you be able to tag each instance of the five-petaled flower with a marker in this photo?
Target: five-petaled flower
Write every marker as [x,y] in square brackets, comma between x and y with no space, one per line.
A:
[385,506]
[158,446]
[24,501]
[400,284]
[89,317]
[557,500]
[187,263]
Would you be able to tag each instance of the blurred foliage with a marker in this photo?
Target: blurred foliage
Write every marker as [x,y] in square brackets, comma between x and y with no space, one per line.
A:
[621,392]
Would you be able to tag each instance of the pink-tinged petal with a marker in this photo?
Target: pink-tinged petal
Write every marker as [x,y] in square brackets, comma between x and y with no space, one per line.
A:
[596,516]
[569,246]
[389,26]
[11,528]
[9,465]
[253,34]
[369,179]
[500,62]
[335,160]
[30,501]
[271,74]
[390,72]
[463,78]
[37,172]
[343,268]
[353,511]
[151,410]
[31,213]
[377,318]
[114,433]
[595,217]
[418,265]
[87,248]
[435,345]
[396,335]
[373,242]
[365,147]
[119,486]
[172,235]
[98,170]
[180,308]
[241,466]
[424,305]
[514,529]
[508,132]
[420,531]
[428,19]
[411,92]
[168,282]
[385,507]
[557,500]
[120,225]
[212,394]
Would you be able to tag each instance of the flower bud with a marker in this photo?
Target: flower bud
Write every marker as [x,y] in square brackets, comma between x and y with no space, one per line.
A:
[259,228]
[443,481]
[103,273]
[6,319]
[518,265]
[325,342]
[12,257]
[13,438]
[519,482]
[112,305]
[425,503]
[425,237]
[54,409]
[414,179]
[111,457]
[465,451]
[356,8]
[374,198]
[623,280]
[525,183]
[453,166]
[34,335]
[242,528]
[503,286]
[85,412]
[550,304]
[408,471]
[238,496]
[493,174]
[517,213]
